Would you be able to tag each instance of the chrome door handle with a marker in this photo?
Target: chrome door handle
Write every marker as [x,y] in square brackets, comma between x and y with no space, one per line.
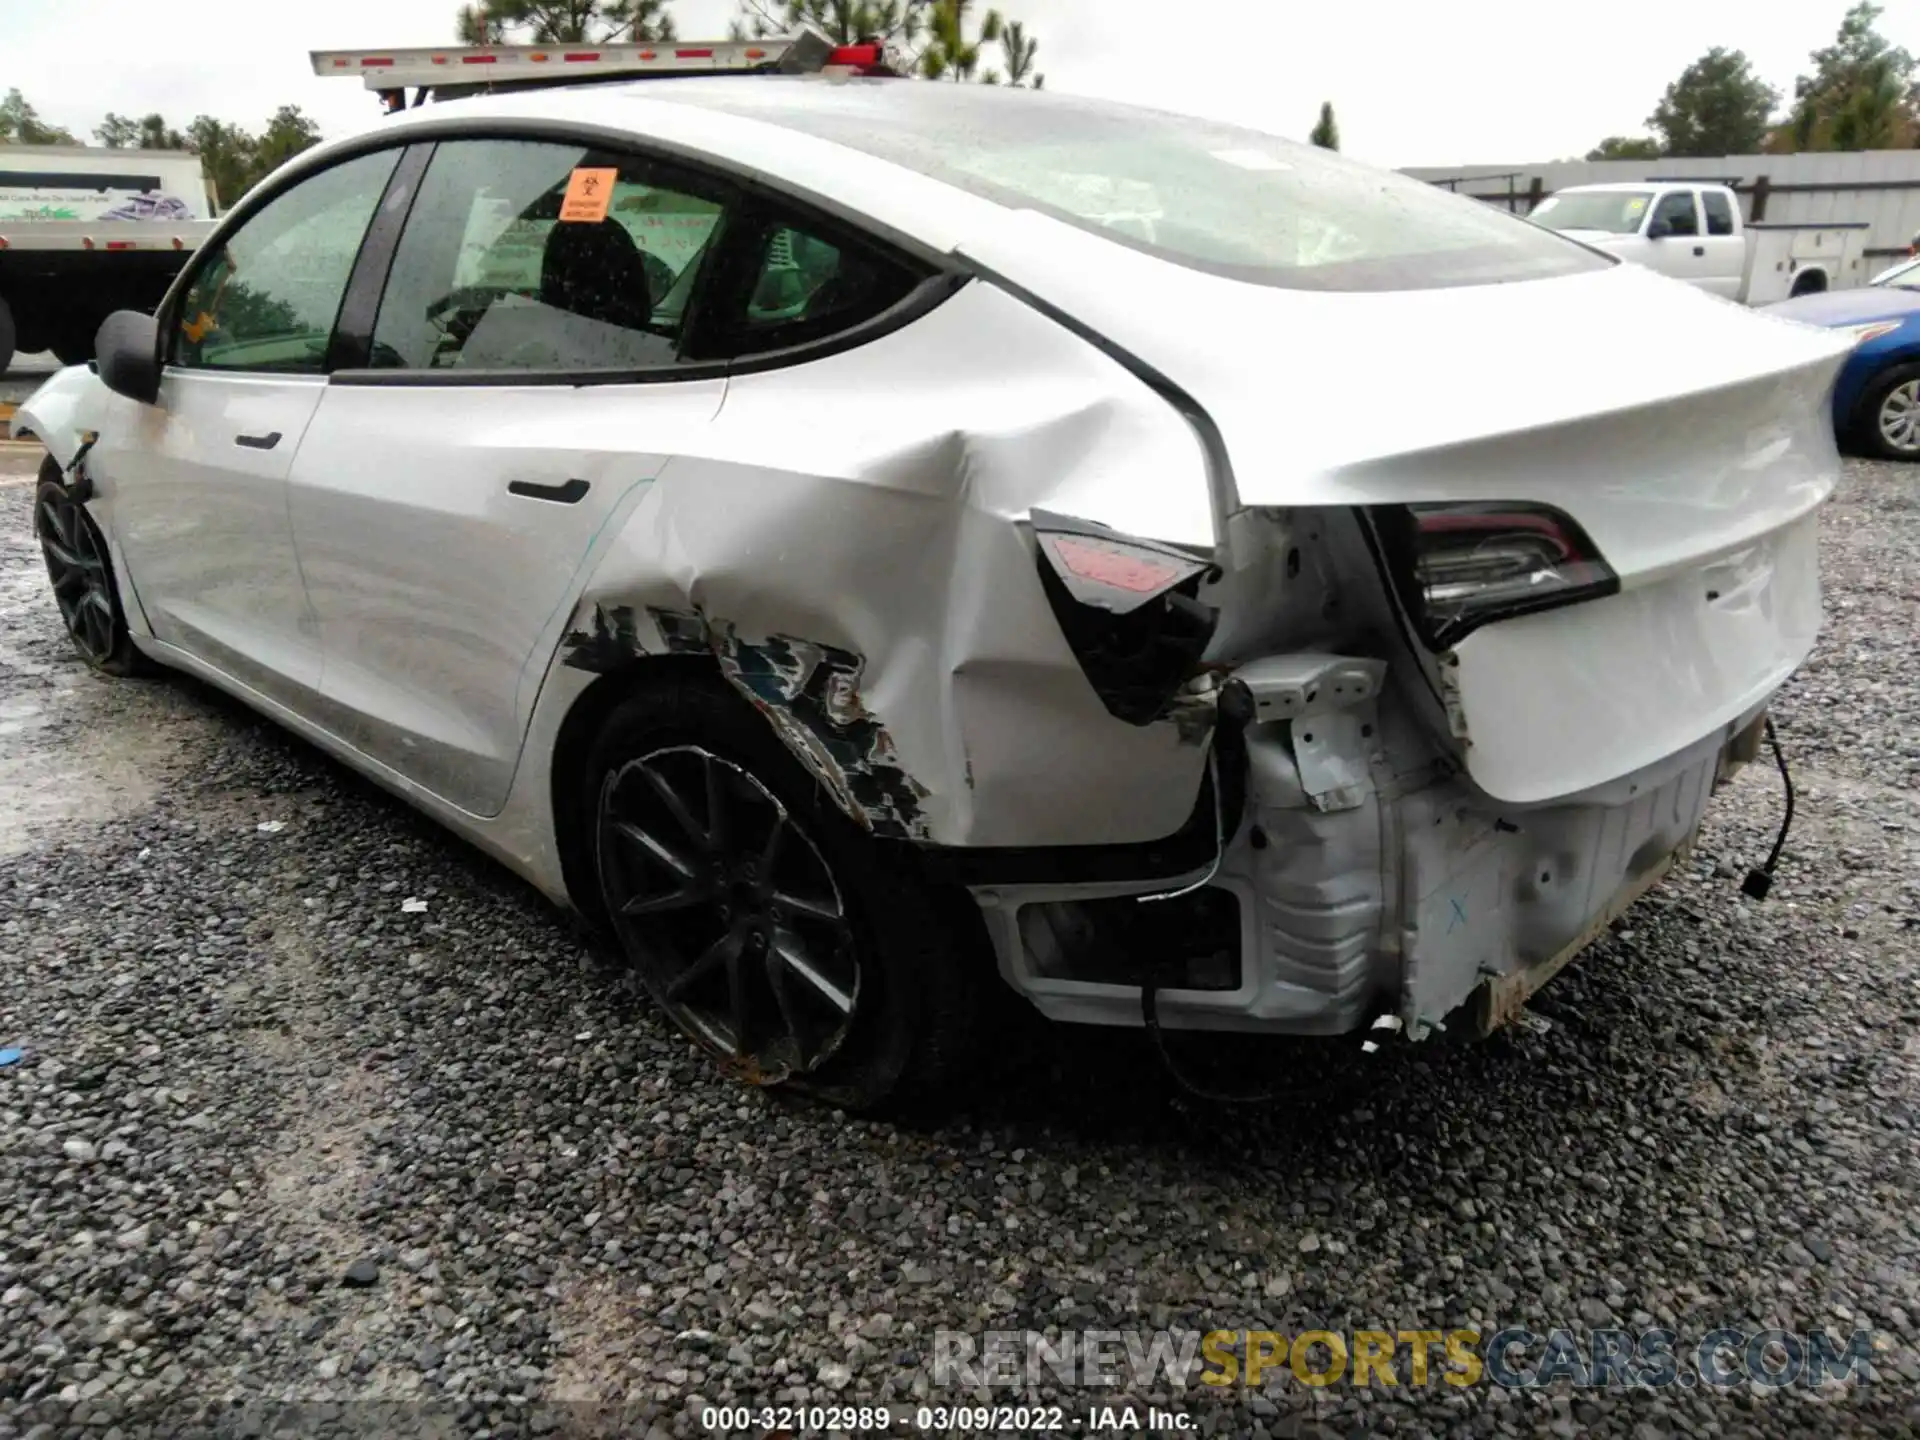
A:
[258,442]
[570,493]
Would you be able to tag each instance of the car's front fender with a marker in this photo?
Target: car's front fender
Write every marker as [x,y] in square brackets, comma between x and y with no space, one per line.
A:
[58,412]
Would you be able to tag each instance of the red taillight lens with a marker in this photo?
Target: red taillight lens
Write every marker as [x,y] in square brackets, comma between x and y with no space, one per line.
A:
[1459,566]
[1115,574]
[863,57]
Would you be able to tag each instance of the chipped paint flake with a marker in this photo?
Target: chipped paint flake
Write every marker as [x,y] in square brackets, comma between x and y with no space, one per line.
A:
[612,641]
[809,692]
[812,692]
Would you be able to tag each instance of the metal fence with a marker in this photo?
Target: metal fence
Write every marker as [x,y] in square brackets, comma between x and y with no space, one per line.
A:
[1879,187]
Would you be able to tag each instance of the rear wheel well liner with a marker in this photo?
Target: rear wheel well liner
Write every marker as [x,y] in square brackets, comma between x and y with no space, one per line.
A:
[572,750]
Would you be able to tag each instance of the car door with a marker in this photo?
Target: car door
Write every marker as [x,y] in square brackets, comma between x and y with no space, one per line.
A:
[198,480]
[522,387]
[1726,248]
[1675,244]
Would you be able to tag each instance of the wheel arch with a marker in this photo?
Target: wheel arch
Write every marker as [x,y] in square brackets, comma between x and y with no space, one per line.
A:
[572,749]
[1862,419]
[1812,280]
[1865,389]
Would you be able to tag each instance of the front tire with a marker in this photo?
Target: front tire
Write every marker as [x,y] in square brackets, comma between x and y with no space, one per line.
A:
[1889,425]
[7,337]
[81,572]
[784,940]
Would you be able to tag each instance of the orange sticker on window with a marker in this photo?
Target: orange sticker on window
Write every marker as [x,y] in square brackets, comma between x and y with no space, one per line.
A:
[589,192]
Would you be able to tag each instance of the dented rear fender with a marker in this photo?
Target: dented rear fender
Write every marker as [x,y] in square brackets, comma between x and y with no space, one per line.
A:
[868,579]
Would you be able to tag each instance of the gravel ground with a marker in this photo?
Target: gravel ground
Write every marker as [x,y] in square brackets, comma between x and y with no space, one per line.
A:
[281,1135]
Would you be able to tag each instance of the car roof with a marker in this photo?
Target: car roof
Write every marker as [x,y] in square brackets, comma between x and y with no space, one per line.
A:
[734,123]
[1656,183]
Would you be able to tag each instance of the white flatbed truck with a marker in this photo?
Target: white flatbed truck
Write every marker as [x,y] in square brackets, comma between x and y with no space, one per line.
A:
[85,231]
[1695,233]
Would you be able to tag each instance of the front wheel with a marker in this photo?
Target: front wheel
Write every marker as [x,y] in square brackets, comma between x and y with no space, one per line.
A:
[790,945]
[82,577]
[1890,416]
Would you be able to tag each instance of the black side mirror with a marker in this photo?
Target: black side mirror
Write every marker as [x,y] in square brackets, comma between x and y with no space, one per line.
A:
[1659,228]
[127,350]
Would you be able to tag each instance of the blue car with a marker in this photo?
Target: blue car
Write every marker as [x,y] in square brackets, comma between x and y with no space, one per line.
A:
[1876,400]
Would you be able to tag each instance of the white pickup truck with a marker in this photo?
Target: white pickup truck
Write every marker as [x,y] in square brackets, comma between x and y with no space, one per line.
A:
[86,231]
[1695,233]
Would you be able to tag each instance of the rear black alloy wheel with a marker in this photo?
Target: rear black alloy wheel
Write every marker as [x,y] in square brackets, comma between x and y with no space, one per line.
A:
[730,910]
[77,566]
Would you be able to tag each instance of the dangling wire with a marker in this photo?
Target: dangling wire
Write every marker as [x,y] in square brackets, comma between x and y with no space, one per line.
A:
[1760,881]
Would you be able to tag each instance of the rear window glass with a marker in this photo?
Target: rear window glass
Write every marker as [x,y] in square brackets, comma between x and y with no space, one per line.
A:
[1612,212]
[1213,197]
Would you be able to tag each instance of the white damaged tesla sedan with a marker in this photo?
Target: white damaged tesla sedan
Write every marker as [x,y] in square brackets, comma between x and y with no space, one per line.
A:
[853,538]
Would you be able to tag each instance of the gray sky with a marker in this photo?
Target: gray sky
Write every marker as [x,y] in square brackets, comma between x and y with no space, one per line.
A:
[1412,84]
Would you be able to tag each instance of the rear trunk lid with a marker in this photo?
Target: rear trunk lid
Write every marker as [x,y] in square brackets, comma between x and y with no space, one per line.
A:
[1686,435]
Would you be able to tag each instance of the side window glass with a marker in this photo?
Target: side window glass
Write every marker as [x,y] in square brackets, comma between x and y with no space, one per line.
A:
[1719,212]
[268,299]
[804,287]
[525,255]
[1677,210]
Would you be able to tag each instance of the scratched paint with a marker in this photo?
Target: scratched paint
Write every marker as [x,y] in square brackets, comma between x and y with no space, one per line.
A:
[608,641]
[809,692]
[812,691]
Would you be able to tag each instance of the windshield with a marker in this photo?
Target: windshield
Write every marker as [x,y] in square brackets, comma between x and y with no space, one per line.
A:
[1617,212]
[1904,277]
[1212,197]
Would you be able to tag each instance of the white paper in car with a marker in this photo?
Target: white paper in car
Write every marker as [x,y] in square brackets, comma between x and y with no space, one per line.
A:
[521,334]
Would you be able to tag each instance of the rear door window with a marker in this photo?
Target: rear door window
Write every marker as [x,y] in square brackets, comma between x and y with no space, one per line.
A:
[1719,212]
[534,256]
[803,282]
[1677,210]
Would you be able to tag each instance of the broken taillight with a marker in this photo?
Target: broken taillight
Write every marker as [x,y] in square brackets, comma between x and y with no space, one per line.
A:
[1461,565]
[1128,609]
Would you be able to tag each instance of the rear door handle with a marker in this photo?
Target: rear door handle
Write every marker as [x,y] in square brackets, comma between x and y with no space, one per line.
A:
[1699,249]
[570,493]
[258,442]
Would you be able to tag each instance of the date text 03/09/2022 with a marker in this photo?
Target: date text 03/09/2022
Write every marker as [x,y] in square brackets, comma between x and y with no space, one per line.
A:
[1097,1419]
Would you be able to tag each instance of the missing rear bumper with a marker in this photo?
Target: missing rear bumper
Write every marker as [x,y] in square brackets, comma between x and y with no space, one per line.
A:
[1501,999]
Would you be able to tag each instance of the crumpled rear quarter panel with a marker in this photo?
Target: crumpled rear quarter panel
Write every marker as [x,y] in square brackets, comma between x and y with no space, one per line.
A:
[849,544]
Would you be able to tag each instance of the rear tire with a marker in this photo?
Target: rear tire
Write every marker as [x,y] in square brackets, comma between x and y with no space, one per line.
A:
[7,337]
[81,572]
[1889,416]
[821,962]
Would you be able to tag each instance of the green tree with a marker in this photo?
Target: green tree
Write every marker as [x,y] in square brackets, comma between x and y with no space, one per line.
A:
[562,22]
[287,134]
[901,23]
[1326,133]
[937,38]
[1862,93]
[117,132]
[477,25]
[1718,106]
[1626,147]
[21,124]
[156,134]
[227,155]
